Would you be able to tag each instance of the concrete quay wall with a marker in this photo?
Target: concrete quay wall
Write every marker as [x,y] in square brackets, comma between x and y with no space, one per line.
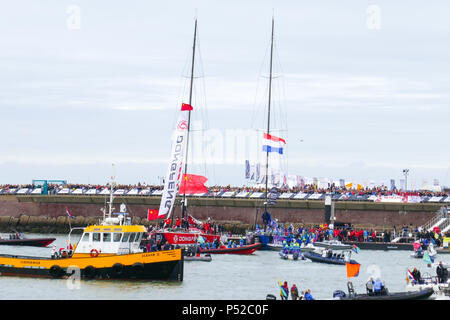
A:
[235,212]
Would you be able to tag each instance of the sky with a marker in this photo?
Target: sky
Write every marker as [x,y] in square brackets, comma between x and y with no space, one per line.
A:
[360,88]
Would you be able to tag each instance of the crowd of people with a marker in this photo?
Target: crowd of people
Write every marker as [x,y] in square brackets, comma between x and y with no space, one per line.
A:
[307,188]
[284,292]
[318,233]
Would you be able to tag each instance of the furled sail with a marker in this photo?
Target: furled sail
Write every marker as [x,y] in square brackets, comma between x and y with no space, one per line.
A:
[174,172]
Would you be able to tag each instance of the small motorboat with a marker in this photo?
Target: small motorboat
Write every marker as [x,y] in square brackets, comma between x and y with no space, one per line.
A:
[18,239]
[247,249]
[425,281]
[417,254]
[274,246]
[204,258]
[333,244]
[191,253]
[307,248]
[296,255]
[327,256]
[383,294]
[410,295]
[443,250]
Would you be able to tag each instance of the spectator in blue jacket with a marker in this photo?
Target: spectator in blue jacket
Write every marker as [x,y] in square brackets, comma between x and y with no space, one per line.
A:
[308,295]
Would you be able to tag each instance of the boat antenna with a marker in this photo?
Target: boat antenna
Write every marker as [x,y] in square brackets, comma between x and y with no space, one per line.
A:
[111,196]
[268,115]
[184,211]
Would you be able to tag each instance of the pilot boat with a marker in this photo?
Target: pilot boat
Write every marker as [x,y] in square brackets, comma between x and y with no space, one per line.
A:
[108,250]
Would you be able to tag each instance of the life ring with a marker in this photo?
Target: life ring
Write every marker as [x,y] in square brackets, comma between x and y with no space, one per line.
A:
[89,272]
[56,271]
[94,253]
[117,269]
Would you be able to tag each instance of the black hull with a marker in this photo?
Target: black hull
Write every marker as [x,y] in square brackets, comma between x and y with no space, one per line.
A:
[418,295]
[318,258]
[202,259]
[248,249]
[168,270]
[381,245]
[27,242]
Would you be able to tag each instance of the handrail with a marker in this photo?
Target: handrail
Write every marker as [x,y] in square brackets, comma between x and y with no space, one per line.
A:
[440,214]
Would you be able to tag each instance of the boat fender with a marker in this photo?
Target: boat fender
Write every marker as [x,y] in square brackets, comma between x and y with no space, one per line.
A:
[56,271]
[117,269]
[94,253]
[138,268]
[89,272]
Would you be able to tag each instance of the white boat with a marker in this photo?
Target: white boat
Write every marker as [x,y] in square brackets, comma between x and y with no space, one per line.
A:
[291,256]
[427,281]
[333,244]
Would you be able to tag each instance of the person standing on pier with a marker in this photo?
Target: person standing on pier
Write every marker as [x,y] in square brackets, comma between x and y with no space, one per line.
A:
[442,273]
[284,290]
[294,292]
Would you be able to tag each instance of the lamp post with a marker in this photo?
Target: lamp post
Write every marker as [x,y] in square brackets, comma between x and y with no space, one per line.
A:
[405,172]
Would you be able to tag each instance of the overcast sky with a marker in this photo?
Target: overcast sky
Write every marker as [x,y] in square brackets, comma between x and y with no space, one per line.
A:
[361,89]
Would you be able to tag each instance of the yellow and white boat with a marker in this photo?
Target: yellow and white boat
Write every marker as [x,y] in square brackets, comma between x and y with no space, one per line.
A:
[109,250]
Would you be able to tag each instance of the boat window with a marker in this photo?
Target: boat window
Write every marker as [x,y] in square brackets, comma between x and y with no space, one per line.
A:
[138,237]
[132,237]
[96,237]
[117,236]
[107,237]
[85,237]
[125,237]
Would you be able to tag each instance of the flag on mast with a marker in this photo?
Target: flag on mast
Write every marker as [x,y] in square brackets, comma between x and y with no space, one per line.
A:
[68,214]
[272,143]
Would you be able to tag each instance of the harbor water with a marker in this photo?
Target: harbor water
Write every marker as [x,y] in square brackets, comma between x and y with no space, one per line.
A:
[226,277]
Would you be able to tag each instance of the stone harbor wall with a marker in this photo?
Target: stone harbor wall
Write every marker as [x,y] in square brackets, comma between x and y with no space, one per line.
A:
[47,214]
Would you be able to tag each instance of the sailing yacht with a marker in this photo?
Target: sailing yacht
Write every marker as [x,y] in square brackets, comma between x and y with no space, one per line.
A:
[176,175]
[271,145]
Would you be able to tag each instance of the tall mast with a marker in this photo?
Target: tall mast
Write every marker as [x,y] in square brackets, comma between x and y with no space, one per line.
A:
[268,115]
[183,211]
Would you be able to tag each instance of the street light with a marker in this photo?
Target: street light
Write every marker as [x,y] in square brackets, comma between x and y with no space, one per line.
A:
[405,172]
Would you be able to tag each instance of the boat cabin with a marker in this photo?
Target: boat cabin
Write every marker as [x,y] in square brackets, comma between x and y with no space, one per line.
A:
[111,237]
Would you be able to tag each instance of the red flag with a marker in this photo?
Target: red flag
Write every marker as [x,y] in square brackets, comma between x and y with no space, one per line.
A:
[192,183]
[186,107]
[152,214]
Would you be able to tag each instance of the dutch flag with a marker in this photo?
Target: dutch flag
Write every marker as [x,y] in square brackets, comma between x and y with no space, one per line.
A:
[68,214]
[272,143]
[409,276]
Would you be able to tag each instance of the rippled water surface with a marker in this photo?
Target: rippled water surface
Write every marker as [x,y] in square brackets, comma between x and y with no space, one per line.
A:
[245,277]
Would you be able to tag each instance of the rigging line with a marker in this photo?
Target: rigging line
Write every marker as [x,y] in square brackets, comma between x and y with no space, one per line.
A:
[256,106]
[204,111]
